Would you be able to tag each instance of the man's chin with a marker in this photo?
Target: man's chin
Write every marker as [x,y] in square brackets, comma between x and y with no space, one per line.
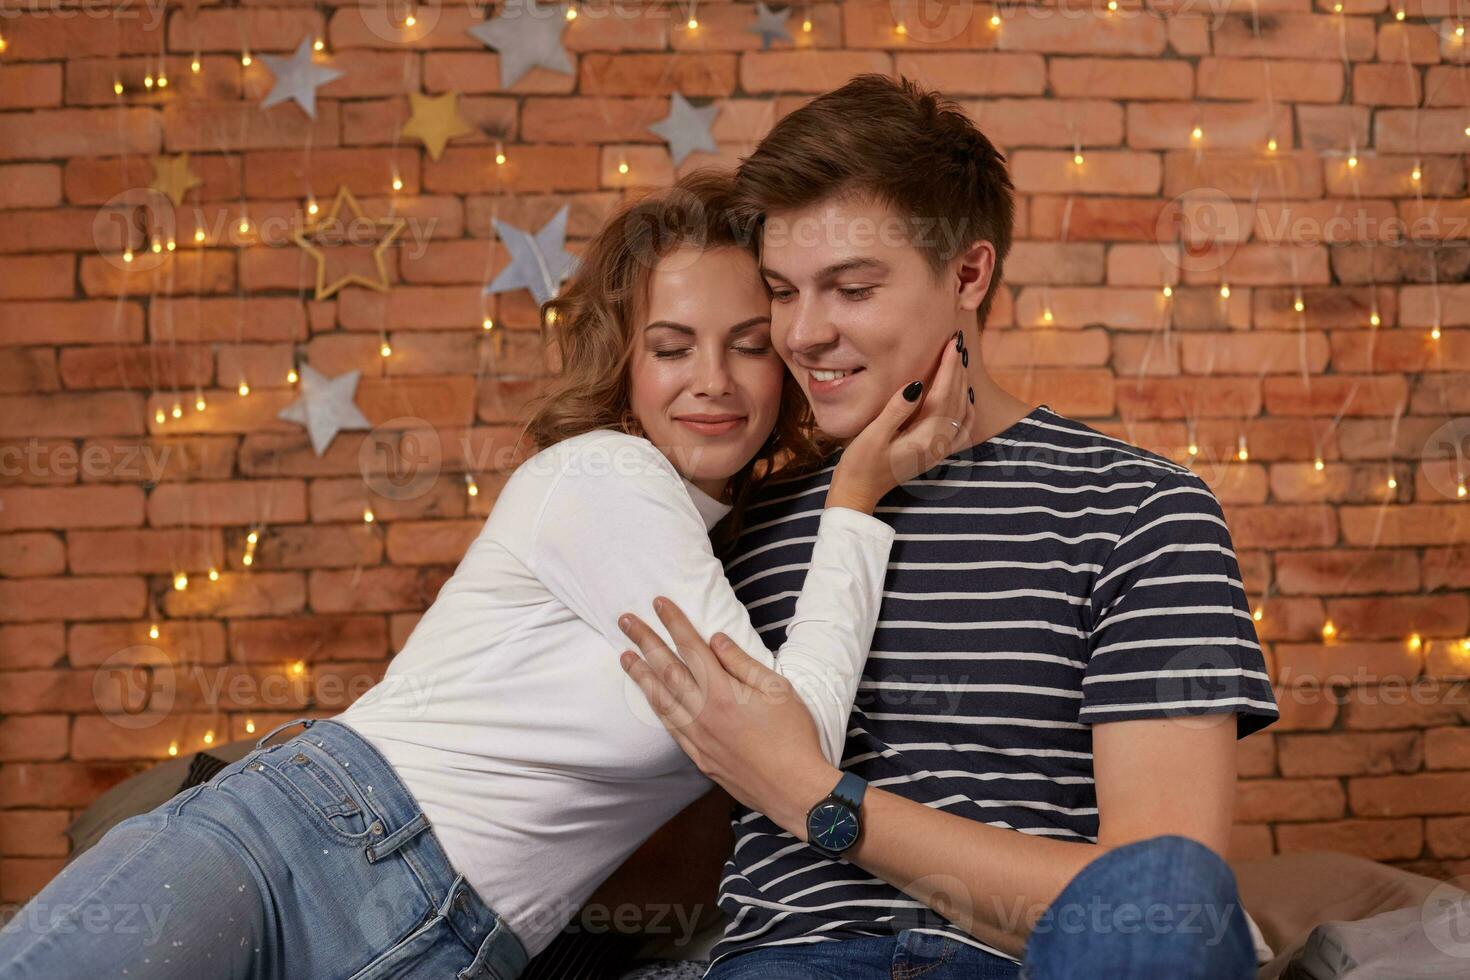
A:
[842,424]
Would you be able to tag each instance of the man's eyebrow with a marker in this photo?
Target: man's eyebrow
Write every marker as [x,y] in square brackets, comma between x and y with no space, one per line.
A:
[742,327]
[835,269]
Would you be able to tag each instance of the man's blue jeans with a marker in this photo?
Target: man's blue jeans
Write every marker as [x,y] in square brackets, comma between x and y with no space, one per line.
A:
[1162,907]
[305,860]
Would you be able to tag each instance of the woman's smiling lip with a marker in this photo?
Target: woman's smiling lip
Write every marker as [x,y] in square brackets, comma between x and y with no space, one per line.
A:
[711,425]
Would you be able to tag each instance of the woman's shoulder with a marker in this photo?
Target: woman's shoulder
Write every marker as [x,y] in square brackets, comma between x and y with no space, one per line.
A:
[617,457]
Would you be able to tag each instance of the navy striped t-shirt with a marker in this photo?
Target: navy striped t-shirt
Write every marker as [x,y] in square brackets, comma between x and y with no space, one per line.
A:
[1045,580]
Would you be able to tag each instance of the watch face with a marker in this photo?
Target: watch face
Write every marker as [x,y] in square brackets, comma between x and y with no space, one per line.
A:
[833,826]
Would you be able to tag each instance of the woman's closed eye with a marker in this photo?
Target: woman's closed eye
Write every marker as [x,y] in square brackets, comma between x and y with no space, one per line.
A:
[672,352]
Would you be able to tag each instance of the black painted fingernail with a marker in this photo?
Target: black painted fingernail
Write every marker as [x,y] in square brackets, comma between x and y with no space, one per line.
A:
[911,393]
[965,358]
[959,341]
[972,396]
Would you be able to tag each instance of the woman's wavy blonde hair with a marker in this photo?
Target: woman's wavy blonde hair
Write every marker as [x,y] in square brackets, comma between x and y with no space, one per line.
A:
[591,332]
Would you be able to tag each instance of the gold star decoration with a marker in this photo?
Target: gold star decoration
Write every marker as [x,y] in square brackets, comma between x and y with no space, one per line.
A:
[331,231]
[436,121]
[172,177]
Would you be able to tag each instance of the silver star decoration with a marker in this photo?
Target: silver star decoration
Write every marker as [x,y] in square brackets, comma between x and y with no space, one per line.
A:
[297,77]
[325,406]
[538,262]
[526,36]
[686,128]
[770,25]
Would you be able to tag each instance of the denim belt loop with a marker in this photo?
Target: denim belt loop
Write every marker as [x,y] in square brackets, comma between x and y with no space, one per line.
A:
[285,724]
[386,846]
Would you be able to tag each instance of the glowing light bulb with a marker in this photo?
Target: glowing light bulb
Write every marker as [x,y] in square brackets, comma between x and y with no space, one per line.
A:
[1374,319]
[397,183]
[1434,333]
[1417,174]
[1196,133]
[488,324]
[245,58]
[1393,482]
[249,726]
[252,537]
[199,404]
[194,66]
[995,20]
[900,30]
[247,559]
[162,80]
[198,234]
[173,748]
[244,389]
[117,88]
[181,582]
[298,668]
[1337,8]
[1112,5]
[1168,291]
[171,245]
[1046,316]
[292,377]
[156,246]
[318,44]
[244,225]
[806,26]
[1194,449]
[1298,305]
[159,417]
[622,166]
[1398,14]
[1329,631]
[311,207]
[148,80]
[1271,145]
[209,737]
[3,43]
[1459,30]
[385,350]
[499,157]
[410,20]
[1318,465]
[1077,159]
[1241,452]
[571,13]
[127,255]
[214,574]
[153,631]
[471,487]
[1416,642]
[1353,161]
[367,515]
[1256,615]
[177,411]
[1224,291]
[1460,490]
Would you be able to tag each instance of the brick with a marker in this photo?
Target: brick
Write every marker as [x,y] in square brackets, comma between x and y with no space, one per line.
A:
[34,833]
[228,502]
[1447,748]
[1296,35]
[25,646]
[1170,125]
[50,134]
[376,589]
[1405,525]
[981,73]
[1345,754]
[35,599]
[1288,800]
[1103,172]
[1423,793]
[661,74]
[1121,78]
[1346,571]
[28,508]
[30,554]
[806,71]
[343,638]
[187,641]
[1382,617]
[1074,31]
[1377,840]
[1293,80]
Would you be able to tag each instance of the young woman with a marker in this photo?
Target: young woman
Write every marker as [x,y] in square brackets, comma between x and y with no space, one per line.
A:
[455,818]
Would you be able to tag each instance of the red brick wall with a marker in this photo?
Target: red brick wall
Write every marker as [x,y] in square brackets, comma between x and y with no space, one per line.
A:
[103,504]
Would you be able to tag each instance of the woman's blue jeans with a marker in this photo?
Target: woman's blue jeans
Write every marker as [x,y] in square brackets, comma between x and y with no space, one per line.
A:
[1162,907]
[308,859]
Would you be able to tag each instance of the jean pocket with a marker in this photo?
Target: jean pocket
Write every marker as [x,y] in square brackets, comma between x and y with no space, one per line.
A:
[310,779]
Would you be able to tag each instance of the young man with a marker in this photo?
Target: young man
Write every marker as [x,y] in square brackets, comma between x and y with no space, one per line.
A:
[1041,760]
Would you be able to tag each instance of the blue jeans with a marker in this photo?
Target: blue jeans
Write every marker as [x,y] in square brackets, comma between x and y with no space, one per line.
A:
[309,859]
[1162,907]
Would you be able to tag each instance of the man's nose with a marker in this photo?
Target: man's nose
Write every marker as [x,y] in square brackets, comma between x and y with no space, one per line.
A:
[810,328]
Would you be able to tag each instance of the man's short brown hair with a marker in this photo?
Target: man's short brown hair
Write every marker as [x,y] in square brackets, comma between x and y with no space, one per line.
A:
[900,144]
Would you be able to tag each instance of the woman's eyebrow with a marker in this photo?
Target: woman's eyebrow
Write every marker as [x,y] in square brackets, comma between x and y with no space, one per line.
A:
[741,327]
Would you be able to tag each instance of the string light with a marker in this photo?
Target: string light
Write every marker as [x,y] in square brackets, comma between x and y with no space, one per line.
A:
[252,537]
[171,245]
[199,236]
[3,44]
[367,515]
[1113,6]
[806,26]
[1241,452]
[245,58]
[318,44]
[1077,158]
[1196,134]
[1257,614]
[385,350]
[209,737]
[156,246]
[1353,161]
[1460,490]
[177,411]
[292,377]
[1393,482]
[1271,145]
[1374,319]
[148,80]
[572,12]
[249,726]
[1168,290]
[298,668]
[244,224]
[199,402]
[1329,631]
[1434,332]
[117,87]
[162,79]
[153,631]
[181,581]
[1297,303]
[471,487]
[1194,449]
[499,154]
[214,574]
[311,207]
[1046,316]
[159,417]
[1318,465]
[173,748]
[622,166]
[488,324]
[397,181]
[410,20]
[127,255]
[900,29]
[1224,290]
[1417,174]
[1416,642]
[995,20]
[1398,14]
[244,388]
[194,65]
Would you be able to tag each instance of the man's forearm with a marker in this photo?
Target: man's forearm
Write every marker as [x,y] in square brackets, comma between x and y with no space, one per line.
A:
[992,882]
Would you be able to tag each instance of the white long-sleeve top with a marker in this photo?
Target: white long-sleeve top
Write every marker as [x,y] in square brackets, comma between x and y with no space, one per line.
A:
[535,757]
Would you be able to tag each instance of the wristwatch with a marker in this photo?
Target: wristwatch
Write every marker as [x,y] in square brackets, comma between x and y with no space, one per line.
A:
[833,825]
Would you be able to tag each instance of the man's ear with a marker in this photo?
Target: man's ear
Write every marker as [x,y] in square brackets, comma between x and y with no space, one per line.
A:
[973,269]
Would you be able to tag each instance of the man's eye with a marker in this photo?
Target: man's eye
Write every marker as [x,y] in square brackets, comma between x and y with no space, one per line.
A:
[856,292]
[782,295]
